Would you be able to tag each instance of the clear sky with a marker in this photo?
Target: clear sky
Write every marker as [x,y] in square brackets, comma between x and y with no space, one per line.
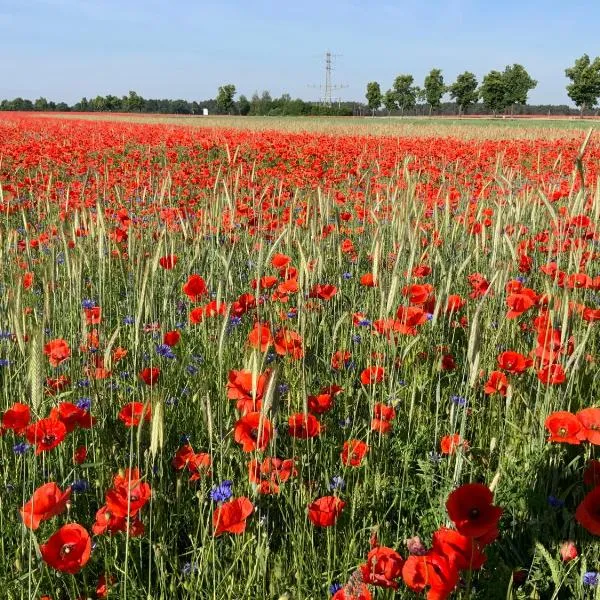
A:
[66,49]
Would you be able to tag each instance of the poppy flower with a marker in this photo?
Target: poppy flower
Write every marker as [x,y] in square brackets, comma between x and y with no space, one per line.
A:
[132,413]
[383,567]
[454,303]
[68,550]
[564,427]
[382,417]
[196,315]
[368,280]
[323,292]
[588,512]
[590,421]
[496,384]
[57,351]
[513,362]
[150,375]
[470,508]
[353,591]
[303,426]
[27,280]
[553,374]
[194,288]
[431,570]
[280,261]
[353,453]
[47,502]
[240,387]
[260,337]
[17,418]
[464,552]
[449,443]
[253,431]
[320,403]
[408,317]
[46,434]
[80,455]
[106,522]
[171,338]
[72,416]
[288,342]
[93,316]
[128,494]
[231,516]
[340,359]
[168,262]
[372,375]
[325,511]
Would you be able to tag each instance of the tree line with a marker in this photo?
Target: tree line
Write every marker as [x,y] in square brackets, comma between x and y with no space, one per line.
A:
[499,90]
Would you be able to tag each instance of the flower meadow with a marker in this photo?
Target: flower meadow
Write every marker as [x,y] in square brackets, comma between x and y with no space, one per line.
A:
[262,364]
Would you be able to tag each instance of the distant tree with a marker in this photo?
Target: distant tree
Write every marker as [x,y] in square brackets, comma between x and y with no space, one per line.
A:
[134,102]
[494,91]
[243,105]
[518,83]
[405,92]
[83,105]
[434,89]
[373,96]
[464,91]
[63,107]
[389,101]
[40,104]
[584,88]
[225,98]
[113,103]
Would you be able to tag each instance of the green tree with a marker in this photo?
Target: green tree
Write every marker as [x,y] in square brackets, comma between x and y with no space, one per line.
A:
[518,83]
[40,104]
[494,91]
[434,89]
[225,98]
[134,102]
[584,88]
[243,105]
[405,92]
[373,96]
[389,101]
[464,91]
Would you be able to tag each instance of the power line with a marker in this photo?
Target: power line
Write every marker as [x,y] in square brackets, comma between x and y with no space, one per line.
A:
[329,87]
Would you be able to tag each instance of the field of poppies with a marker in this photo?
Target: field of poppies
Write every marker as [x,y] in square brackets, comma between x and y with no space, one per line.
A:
[260,364]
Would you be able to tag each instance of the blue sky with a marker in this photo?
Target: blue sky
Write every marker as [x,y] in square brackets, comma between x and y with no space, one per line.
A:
[66,49]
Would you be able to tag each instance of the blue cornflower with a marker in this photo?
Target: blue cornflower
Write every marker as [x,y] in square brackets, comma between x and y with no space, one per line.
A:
[459,400]
[83,383]
[343,423]
[356,338]
[221,492]
[80,485]
[555,502]
[347,276]
[292,314]
[270,357]
[124,375]
[335,587]
[172,401]
[590,578]
[21,448]
[283,388]
[234,321]
[165,351]
[128,320]
[337,483]
[4,362]
[191,369]
[434,457]
[364,322]
[429,316]
[87,303]
[84,403]
[5,335]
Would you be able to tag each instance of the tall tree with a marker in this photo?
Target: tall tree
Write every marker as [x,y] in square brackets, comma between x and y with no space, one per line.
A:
[373,96]
[434,89]
[243,105]
[464,91]
[405,92]
[518,83]
[40,104]
[494,91]
[134,102]
[389,101]
[225,97]
[584,88]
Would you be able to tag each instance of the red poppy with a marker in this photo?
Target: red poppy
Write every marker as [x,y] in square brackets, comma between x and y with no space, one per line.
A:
[383,414]
[150,375]
[106,522]
[513,362]
[321,403]
[353,453]
[80,455]
[47,502]
[590,421]
[68,550]
[496,384]
[57,351]
[288,342]
[588,512]
[231,516]
[72,416]
[132,413]
[46,434]
[564,427]
[304,426]
[16,418]
[520,302]
[340,359]
[260,337]
[93,316]
[372,375]
[552,374]
[449,443]
[353,591]
[470,508]
[324,512]
[323,292]
[253,431]
[270,473]
[368,280]
[194,288]
[54,385]
[171,338]
[431,570]
[464,552]
[168,262]
[454,303]
[240,387]
[408,317]
[197,315]
[27,280]
[419,294]
[128,494]
[279,261]
[383,567]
